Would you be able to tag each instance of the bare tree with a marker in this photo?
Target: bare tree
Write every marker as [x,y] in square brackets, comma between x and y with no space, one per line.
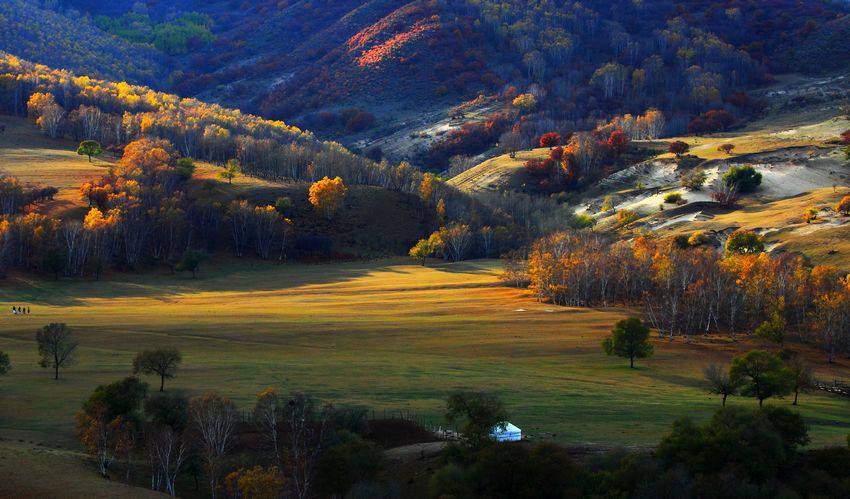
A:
[214,419]
[305,427]
[456,238]
[167,451]
[268,417]
[57,347]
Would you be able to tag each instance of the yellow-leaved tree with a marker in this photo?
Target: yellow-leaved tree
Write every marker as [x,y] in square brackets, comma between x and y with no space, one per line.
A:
[327,195]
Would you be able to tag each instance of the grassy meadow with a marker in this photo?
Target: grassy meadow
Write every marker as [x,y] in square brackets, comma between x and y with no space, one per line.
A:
[384,334]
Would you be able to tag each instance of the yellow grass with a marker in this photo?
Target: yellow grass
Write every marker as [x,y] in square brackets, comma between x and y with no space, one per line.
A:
[35,159]
[495,172]
[825,241]
[385,335]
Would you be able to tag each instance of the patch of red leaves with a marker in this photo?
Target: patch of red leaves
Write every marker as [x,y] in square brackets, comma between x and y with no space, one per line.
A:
[382,51]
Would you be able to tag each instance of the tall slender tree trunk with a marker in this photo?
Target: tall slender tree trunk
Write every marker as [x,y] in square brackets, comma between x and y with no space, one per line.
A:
[162,383]
[724,400]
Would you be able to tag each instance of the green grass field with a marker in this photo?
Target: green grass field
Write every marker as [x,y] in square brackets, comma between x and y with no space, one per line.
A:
[385,334]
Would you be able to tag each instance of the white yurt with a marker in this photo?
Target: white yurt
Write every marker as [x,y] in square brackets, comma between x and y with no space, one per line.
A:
[506,433]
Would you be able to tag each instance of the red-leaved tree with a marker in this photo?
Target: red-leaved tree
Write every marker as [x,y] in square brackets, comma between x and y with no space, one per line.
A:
[550,140]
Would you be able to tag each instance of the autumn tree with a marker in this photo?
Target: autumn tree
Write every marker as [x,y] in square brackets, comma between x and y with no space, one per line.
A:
[762,375]
[327,195]
[525,102]
[456,239]
[726,148]
[843,206]
[89,148]
[268,417]
[255,483]
[720,383]
[162,362]
[427,187]
[422,250]
[105,423]
[832,317]
[744,242]
[550,139]
[214,419]
[231,170]
[678,148]
[57,347]
[629,339]
[103,437]
[618,142]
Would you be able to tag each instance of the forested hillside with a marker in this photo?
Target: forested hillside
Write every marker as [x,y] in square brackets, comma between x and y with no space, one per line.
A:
[73,42]
[353,69]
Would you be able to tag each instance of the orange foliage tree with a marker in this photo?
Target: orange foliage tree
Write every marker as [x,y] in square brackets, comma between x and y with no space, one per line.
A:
[327,195]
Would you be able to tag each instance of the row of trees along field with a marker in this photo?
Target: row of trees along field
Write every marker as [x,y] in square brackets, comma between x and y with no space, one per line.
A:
[686,288]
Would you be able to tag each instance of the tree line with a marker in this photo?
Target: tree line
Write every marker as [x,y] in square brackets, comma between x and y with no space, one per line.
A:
[686,288]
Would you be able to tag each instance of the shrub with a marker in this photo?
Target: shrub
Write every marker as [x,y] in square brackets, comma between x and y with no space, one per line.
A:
[679,148]
[743,178]
[673,197]
[743,242]
[694,180]
[583,221]
[810,215]
[625,217]
[698,238]
[550,140]
[726,148]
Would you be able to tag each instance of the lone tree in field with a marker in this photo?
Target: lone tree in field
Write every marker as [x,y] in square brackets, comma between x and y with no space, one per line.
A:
[679,148]
[762,375]
[191,262]
[5,365]
[89,148]
[162,361]
[327,195]
[726,148]
[422,250]
[231,170]
[56,346]
[477,414]
[629,339]
[720,383]
[804,379]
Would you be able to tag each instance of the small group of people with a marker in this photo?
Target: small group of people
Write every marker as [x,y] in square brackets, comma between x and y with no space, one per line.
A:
[20,310]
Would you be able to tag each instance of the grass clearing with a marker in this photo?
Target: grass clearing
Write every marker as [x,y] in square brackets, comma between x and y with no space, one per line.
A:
[384,334]
[36,159]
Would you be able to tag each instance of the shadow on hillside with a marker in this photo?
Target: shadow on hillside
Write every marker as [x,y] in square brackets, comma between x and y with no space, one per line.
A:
[231,276]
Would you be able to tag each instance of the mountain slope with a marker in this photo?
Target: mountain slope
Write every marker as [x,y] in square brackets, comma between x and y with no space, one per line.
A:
[57,40]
